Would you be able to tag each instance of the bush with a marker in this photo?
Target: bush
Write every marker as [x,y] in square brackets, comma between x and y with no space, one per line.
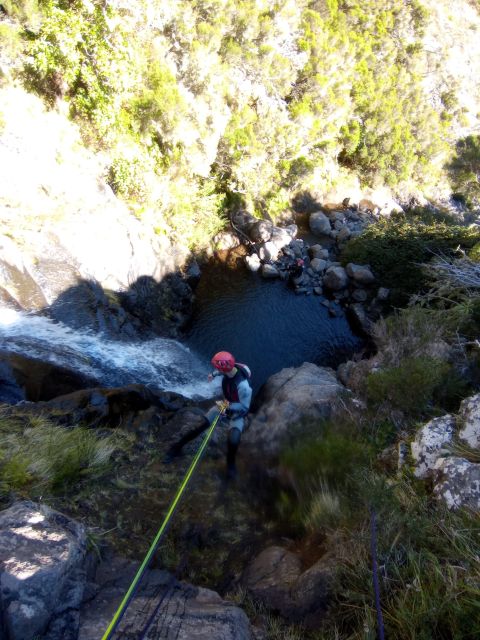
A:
[126,177]
[464,169]
[409,387]
[397,248]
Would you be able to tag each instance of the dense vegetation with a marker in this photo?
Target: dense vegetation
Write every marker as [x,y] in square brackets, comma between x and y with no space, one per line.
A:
[195,99]
[343,472]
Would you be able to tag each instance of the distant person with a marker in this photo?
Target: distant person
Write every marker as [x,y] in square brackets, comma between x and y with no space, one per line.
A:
[238,393]
[295,273]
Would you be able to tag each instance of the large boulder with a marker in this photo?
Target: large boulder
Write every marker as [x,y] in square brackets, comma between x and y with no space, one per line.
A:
[42,554]
[457,482]
[429,442]
[287,397]
[276,579]
[319,224]
[469,417]
[360,274]
[72,225]
[270,577]
[335,278]
[261,231]
[163,605]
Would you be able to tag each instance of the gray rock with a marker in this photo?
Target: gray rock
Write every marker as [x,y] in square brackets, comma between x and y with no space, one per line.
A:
[176,609]
[383,294]
[319,224]
[359,295]
[359,318]
[318,265]
[225,241]
[253,262]
[343,235]
[317,251]
[268,251]
[42,554]
[269,271]
[282,237]
[335,278]
[287,397]
[275,579]
[429,442]
[270,577]
[312,592]
[297,246]
[457,482]
[469,416]
[261,231]
[360,274]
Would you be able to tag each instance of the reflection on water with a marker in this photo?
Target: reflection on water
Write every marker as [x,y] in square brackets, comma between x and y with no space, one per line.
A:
[264,324]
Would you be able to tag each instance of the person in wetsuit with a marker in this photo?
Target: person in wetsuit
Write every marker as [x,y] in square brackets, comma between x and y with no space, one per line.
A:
[238,393]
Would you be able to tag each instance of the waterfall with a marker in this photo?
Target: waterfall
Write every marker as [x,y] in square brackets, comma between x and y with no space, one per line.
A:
[161,363]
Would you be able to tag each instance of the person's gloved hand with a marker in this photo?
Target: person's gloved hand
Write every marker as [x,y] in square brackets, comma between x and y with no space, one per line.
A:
[221,405]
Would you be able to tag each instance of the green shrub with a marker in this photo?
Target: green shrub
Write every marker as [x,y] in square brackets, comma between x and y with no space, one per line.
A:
[464,169]
[126,177]
[319,468]
[410,386]
[396,249]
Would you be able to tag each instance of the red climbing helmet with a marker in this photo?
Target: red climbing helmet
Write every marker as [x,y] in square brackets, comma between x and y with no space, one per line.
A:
[223,361]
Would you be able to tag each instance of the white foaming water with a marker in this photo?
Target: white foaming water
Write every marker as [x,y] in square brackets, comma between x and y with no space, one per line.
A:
[160,363]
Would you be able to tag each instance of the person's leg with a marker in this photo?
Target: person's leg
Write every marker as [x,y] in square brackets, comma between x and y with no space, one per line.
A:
[234,436]
[176,448]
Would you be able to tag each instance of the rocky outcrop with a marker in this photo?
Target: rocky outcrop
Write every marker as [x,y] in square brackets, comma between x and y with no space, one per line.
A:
[457,482]
[23,378]
[163,605]
[277,580]
[429,442]
[42,578]
[469,417]
[101,406]
[288,397]
[72,225]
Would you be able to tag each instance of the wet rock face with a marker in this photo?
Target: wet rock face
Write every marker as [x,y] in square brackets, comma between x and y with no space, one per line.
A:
[42,555]
[24,378]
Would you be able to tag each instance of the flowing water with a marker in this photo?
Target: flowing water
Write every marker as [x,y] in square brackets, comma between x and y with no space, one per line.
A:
[263,323]
[160,363]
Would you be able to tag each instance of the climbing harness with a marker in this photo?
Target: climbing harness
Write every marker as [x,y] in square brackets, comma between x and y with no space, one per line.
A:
[153,547]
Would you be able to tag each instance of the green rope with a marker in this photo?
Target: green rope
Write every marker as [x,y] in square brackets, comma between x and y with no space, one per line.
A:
[153,547]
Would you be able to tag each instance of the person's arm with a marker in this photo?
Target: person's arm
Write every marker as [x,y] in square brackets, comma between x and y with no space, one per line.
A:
[244,397]
[213,375]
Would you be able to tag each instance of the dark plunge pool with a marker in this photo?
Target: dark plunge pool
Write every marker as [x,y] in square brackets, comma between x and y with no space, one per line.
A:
[264,323]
